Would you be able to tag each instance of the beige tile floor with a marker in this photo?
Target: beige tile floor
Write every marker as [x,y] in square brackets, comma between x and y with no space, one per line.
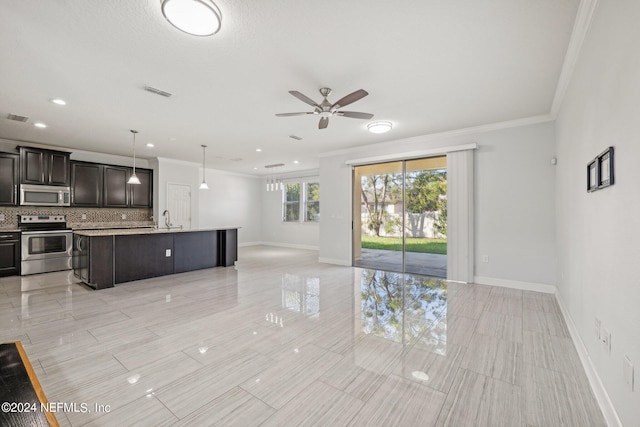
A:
[281,340]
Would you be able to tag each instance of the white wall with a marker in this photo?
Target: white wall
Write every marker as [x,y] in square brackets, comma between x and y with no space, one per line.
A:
[599,233]
[276,232]
[232,200]
[514,200]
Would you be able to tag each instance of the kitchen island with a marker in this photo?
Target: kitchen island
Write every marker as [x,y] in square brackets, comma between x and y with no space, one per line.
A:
[104,258]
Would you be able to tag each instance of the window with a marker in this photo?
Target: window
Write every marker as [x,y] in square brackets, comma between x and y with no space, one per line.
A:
[301,202]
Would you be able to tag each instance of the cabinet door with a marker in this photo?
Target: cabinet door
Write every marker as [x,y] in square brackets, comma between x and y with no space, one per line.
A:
[86,184]
[8,179]
[115,193]
[44,167]
[32,164]
[58,169]
[9,254]
[142,194]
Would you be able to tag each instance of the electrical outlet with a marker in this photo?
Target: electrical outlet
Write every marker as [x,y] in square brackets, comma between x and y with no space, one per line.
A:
[597,324]
[628,372]
[124,216]
[485,258]
[606,339]
[84,216]
[1,217]
[167,253]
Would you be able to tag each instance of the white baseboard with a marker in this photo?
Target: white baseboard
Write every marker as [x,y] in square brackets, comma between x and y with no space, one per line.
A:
[334,261]
[606,405]
[515,284]
[282,245]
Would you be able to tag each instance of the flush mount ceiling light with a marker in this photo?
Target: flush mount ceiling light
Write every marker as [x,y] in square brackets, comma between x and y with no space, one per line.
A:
[203,184]
[379,127]
[133,179]
[196,17]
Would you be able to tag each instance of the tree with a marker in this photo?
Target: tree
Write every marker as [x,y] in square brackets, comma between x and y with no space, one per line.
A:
[424,193]
[377,192]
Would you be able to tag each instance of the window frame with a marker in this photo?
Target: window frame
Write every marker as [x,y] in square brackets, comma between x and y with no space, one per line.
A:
[303,202]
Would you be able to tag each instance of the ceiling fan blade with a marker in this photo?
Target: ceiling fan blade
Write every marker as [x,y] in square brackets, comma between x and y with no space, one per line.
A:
[354,114]
[304,98]
[293,114]
[324,122]
[352,97]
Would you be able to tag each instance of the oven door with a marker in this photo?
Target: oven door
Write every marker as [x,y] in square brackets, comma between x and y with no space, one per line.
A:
[46,244]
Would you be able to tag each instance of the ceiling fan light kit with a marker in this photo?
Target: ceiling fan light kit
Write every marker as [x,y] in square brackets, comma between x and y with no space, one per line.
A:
[196,17]
[325,109]
[379,127]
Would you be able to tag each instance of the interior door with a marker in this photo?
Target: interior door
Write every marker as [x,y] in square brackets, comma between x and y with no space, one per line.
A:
[179,205]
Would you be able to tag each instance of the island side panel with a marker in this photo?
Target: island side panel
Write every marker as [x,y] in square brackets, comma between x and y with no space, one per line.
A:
[195,250]
[227,247]
[142,256]
[101,262]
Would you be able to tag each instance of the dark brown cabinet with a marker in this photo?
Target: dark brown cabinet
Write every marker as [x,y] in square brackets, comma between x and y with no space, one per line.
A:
[9,254]
[46,167]
[141,195]
[86,184]
[97,185]
[104,260]
[9,176]
[115,190]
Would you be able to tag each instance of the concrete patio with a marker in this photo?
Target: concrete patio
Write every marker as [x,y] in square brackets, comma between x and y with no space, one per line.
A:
[434,265]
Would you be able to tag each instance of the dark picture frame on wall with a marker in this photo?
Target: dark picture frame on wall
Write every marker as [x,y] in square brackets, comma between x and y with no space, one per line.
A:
[592,175]
[605,168]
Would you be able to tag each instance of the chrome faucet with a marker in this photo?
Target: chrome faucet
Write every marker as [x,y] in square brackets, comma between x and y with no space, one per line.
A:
[167,219]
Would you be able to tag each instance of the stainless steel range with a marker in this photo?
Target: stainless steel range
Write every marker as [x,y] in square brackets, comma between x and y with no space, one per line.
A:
[46,243]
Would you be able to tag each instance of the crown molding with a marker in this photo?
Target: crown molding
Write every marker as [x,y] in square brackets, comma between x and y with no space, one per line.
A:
[581,26]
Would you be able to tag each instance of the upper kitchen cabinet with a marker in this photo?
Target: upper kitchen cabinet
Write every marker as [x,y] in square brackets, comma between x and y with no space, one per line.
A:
[141,195]
[115,193]
[9,175]
[45,167]
[86,184]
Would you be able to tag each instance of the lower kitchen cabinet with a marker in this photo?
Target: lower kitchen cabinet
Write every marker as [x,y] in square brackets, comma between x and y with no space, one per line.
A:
[9,254]
[103,258]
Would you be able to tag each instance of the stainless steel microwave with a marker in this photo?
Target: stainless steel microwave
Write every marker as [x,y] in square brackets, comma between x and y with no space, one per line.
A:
[44,195]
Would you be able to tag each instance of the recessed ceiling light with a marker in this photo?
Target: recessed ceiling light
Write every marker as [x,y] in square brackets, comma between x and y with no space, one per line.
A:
[258,149]
[379,127]
[59,101]
[40,125]
[195,17]
[255,169]
[150,145]
[296,162]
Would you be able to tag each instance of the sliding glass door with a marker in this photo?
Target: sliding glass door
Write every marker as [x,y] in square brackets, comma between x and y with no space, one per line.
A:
[400,216]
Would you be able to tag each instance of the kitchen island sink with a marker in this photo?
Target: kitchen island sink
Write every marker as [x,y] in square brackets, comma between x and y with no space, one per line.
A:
[104,258]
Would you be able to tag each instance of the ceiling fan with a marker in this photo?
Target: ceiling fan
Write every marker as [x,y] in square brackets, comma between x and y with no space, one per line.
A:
[325,109]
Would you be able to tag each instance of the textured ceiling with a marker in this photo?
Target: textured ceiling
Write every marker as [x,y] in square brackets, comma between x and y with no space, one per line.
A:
[429,66]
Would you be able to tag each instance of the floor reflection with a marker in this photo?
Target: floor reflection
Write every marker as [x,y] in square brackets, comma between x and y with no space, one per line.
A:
[404,308]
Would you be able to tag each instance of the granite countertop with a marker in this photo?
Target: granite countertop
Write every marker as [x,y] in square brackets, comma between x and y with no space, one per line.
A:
[131,231]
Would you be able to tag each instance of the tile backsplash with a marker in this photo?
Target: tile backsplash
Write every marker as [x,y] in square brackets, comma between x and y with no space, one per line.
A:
[93,217]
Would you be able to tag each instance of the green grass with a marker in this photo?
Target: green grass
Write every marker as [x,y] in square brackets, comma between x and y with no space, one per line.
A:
[412,244]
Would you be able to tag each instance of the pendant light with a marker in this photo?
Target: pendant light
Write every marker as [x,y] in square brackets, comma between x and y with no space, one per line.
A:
[133,179]
[203,185]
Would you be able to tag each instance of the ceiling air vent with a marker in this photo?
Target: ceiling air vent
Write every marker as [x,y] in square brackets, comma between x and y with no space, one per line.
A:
[17,118]
[157,91]
[296,137]
[275,165]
